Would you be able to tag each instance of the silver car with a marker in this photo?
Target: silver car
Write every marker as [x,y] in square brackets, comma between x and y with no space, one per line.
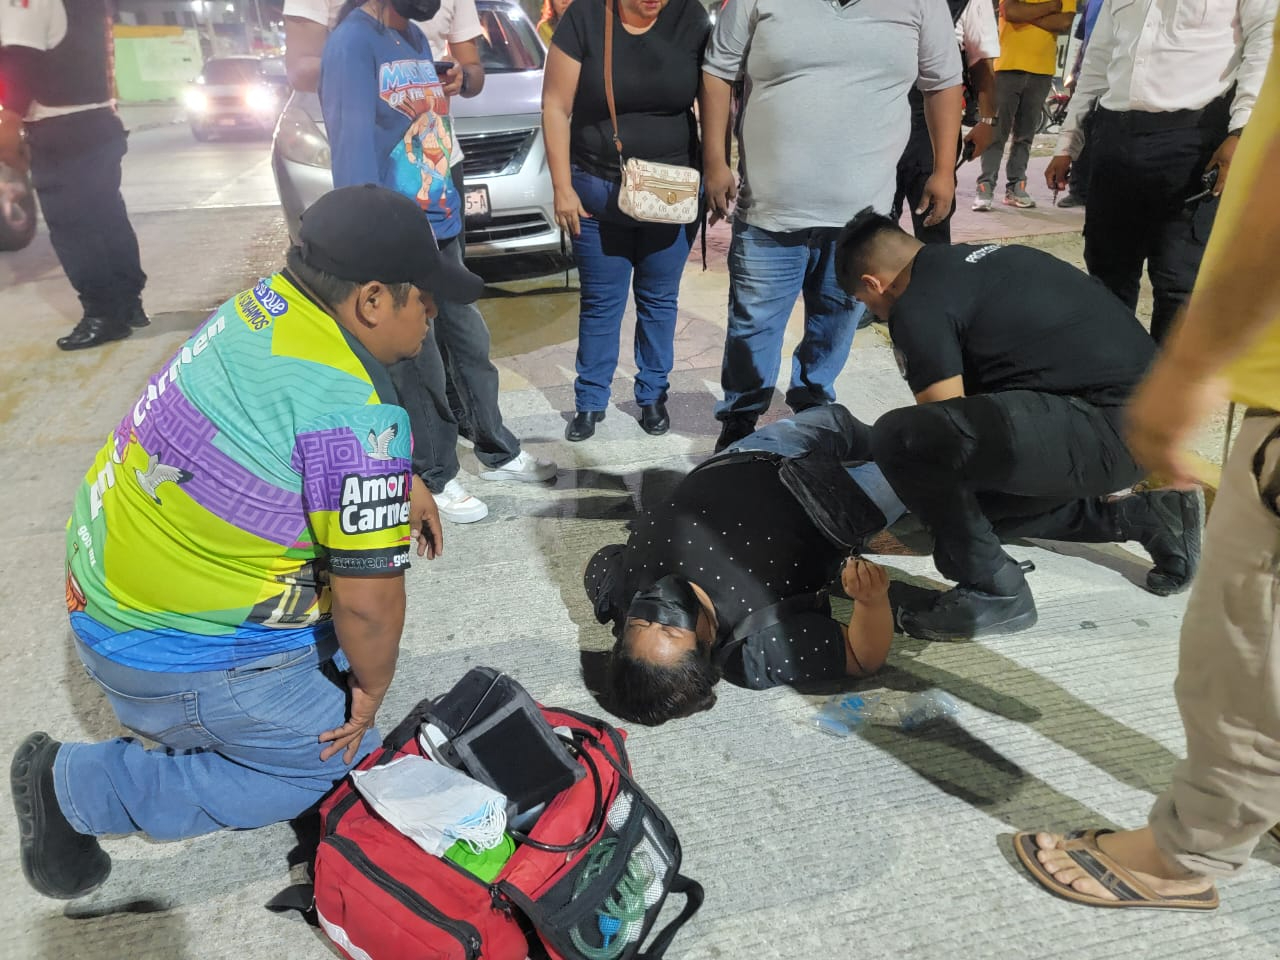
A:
[508,198]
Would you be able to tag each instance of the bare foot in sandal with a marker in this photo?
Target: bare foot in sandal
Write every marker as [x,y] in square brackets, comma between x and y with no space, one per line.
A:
[1135,851]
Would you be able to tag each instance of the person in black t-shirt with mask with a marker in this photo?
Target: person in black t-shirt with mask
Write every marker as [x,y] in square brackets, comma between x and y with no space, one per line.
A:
[657,59]
[1020,365]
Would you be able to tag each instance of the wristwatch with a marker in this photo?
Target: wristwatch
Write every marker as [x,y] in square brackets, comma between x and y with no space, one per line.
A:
[990,121]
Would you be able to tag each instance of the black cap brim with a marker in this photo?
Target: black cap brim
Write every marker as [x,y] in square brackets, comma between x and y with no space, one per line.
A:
[450,281]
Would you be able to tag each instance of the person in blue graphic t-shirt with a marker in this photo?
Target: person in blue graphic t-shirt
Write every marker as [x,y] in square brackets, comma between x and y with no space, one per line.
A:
[387,116]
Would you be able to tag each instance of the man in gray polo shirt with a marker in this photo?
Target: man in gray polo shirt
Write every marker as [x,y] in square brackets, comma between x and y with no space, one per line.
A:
[823,123]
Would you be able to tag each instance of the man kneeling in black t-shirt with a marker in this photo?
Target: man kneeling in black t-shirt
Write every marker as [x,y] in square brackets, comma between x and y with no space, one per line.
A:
[1021,366]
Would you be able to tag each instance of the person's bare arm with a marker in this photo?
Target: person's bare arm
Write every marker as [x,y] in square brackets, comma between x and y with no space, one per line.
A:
[870,631]
[467,78]
[368,617]
[983,77]
[951,388]
[559,87]
[1055,23]
[715,103]
[943,112]
[304,41]
[1019,11]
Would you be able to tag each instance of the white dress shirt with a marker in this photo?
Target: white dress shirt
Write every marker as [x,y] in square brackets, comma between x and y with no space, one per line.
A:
[1158,56]
[977,32]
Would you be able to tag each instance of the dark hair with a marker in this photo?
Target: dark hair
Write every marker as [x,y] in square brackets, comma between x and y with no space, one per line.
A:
[645,692]
[334,290]
[858,242]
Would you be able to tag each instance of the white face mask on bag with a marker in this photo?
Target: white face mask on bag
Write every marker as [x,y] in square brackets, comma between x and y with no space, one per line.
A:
[434,805]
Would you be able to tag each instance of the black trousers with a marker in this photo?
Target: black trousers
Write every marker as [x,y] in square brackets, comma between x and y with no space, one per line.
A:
[1078,179]
[75,167]
[1144,166]
[1003,465]
[915,167]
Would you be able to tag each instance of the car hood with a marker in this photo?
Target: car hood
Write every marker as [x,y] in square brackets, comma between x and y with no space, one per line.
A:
[504,95]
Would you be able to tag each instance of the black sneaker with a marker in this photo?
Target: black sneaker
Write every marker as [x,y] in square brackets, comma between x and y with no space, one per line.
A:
[57,860]
[93,332]
[1168,524]
[963,613]
[734,428]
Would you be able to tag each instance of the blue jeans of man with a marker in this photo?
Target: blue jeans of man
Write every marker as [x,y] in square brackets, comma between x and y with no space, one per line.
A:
[767,271]
[832,430]
[617,255]
[454,355]
[237,748]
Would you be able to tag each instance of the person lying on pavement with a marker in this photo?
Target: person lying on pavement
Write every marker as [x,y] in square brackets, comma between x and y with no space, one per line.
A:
[728,577]
[250,517]
[1020,365]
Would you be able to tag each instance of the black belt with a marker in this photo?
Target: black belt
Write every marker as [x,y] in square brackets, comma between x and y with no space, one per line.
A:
[1142,121]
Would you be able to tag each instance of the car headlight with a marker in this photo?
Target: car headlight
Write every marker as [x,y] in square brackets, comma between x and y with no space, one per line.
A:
[197,101]
[299,139]
[260,99]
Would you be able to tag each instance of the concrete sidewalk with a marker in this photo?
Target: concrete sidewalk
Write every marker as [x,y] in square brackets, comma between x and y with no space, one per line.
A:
[892,844]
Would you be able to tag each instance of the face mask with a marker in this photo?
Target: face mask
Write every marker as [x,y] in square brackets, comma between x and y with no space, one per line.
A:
[670,601]
[416,9]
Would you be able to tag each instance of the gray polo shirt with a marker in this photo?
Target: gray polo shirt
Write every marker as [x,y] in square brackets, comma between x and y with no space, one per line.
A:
[826,116]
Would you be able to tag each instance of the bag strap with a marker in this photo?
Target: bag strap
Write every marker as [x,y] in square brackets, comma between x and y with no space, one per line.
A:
[694,896]
[608,76]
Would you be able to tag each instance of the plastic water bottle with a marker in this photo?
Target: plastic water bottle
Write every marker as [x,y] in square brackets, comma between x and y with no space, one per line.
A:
[845,713]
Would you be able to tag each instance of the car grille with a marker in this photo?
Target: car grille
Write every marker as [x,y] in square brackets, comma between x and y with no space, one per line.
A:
[511,227]
[227,100]
[491,154]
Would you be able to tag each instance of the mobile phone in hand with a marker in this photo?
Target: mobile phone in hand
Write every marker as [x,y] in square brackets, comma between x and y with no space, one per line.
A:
[442,67]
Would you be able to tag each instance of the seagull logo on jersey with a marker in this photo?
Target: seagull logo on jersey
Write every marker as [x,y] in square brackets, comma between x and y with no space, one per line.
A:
[380,443]
[157,474]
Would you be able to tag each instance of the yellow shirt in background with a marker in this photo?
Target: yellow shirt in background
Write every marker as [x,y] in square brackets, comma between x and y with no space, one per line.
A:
[1255,377]
[1024,46]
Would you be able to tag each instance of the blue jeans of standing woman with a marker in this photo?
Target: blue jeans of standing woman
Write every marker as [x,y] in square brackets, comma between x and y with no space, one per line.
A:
[617,255]
[768,270]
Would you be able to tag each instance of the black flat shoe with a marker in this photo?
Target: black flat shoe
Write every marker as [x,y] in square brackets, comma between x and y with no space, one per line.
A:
[733,429]
[583,425]
[138,316]
[93,332]
[653,418]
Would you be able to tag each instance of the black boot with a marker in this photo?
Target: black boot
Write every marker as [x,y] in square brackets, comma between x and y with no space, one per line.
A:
[734,428]
[1167,523]
[962,613]
[93,332]
[57,860]
[653,419]
[583,425]
[138,316]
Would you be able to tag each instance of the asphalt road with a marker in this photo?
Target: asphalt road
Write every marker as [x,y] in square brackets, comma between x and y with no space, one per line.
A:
[168,169]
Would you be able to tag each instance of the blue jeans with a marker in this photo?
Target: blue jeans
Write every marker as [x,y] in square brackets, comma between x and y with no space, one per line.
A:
[767,271]
[616,254]
[238,747]
[832,430]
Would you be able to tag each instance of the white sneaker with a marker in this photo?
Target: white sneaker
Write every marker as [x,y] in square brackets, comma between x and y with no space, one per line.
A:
[982,199]
[524,467]
[458,506]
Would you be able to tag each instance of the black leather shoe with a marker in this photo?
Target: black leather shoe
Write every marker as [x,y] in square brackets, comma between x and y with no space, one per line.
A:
[57,860]
[963,613]
[93,332]
[653,419]
[583,425]
[138,316]
[734,429]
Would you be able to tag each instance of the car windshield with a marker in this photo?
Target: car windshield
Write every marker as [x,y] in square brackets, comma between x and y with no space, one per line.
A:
[508,43]
[244,70]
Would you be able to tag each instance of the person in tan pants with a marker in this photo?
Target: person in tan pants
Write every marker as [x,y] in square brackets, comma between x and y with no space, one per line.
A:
[1226,793]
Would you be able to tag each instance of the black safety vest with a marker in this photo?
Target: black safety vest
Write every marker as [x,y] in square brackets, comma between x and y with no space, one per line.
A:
[78,70]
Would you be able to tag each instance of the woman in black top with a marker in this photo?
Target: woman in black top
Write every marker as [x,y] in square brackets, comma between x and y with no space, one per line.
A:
[657,56]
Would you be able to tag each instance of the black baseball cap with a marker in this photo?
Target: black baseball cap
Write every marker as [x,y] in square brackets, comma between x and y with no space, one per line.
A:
[371,233]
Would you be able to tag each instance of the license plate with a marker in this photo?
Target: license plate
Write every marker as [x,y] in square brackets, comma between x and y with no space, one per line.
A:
[476,205]
[226,121]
